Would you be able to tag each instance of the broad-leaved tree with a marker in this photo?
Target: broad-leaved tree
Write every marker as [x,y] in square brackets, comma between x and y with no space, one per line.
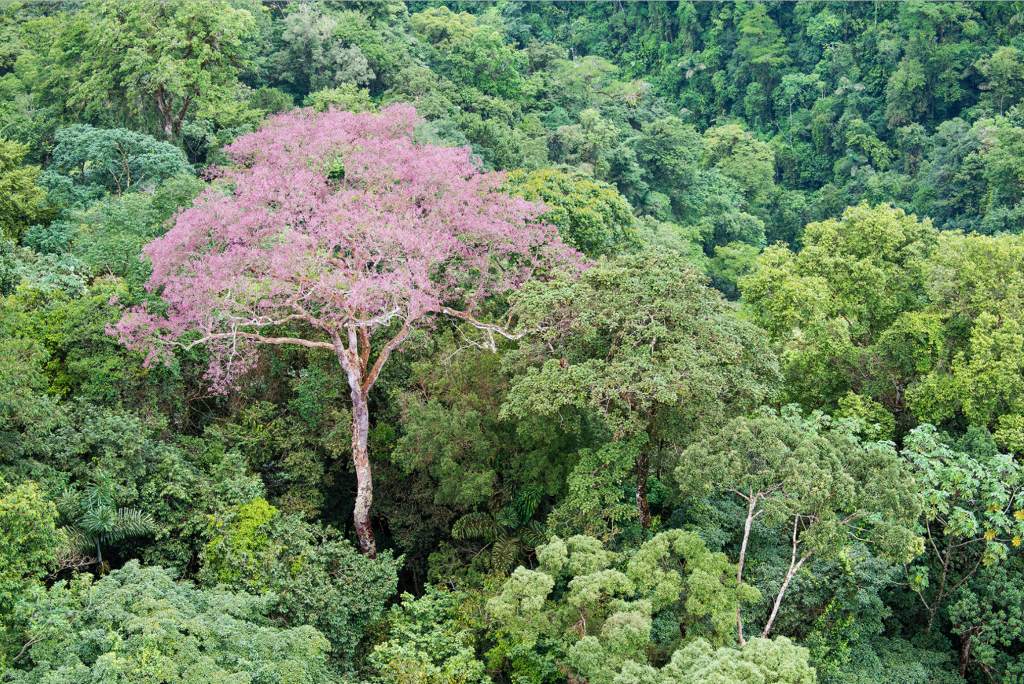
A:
[329,231]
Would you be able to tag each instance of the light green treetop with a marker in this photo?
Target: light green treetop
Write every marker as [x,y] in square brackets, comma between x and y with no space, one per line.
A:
[973,512]
[864,269]
[741,157]
[831,305]
[761,661]
[975,285]
[20,197]
[606,600]
[138,625]
[589,214]
[29,540]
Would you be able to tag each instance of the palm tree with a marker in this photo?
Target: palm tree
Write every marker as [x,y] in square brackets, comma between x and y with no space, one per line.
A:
[692,64]
[853,161]
[846,86]
[93,520]
[1018,14]
[509,530]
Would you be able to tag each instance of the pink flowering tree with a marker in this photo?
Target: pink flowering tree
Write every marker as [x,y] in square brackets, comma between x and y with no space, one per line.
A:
[341,227]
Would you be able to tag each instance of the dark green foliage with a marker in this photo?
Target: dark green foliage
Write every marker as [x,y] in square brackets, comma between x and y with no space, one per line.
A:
[643,344]
[512,534]
[116,160]
[314,577]
[314,57]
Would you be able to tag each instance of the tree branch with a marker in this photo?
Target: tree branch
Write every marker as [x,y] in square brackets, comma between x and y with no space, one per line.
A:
[384,354]
[260,339]
[490,328]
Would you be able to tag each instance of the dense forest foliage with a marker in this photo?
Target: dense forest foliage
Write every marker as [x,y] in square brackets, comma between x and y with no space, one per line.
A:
[455,342]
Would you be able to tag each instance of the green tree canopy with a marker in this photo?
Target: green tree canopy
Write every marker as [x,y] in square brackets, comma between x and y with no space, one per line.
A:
[314,577]
[741,157]
[831,305]
[138,625]
[21,199]
[29,541]
[589,214]
[817,481]
[604,602]
[155,56]
[644,342]
[314,57]
[972,512]
[87,160]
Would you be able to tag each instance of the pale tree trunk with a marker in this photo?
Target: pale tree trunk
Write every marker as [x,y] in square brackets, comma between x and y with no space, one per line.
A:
[794,566]
[739,566]
[361,377]
[354,364]
[751,498]
[364,477]
[355,360]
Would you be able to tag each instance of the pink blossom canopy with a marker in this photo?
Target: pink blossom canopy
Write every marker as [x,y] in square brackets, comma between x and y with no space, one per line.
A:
[340,221]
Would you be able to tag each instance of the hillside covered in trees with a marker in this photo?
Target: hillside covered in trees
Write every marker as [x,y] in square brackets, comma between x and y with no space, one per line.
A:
[511,342]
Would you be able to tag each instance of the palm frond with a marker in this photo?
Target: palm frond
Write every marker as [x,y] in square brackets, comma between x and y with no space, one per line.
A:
[528,502]
[508,517]
[474,526]
[131,522]
[76,540]
[69,504]
[533,534]
[98,521]
[504,554]
[99,493]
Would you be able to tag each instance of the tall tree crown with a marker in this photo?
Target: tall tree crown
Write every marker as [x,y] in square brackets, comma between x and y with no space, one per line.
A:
[343,222]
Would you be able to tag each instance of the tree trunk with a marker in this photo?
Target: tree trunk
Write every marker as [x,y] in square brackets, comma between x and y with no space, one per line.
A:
[739,566]
[965,654]
[360,382]
[942,584]
[794,566]
[778,599]
[642,468]
[164,102]
[364,478]
[179,118]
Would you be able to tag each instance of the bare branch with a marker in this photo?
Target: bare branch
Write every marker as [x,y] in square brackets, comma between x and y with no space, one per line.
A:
[312,344]
[479,325]
[371,377]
